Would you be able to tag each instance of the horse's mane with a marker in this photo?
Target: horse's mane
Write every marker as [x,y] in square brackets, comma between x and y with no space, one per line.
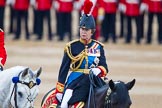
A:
[10,72]
[14,69]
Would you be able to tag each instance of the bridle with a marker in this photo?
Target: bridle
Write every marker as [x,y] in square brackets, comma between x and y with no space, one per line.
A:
[108,99]
[30,84]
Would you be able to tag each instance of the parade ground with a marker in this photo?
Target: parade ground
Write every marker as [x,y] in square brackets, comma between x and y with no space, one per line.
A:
[125,62]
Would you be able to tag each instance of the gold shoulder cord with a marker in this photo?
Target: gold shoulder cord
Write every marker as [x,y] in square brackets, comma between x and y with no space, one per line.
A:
[86,56]
[80,57]
[99,43]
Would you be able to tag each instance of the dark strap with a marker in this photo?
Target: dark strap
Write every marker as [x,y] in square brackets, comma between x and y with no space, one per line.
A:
[91,91]
[15,95]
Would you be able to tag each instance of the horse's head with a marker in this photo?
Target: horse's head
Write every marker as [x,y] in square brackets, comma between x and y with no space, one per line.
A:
[119,96]
[25,88]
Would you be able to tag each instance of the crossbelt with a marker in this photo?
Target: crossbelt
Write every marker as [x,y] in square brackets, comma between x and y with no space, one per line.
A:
[85,71]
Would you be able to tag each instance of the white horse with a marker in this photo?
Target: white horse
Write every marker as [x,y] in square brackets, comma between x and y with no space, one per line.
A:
[19,87]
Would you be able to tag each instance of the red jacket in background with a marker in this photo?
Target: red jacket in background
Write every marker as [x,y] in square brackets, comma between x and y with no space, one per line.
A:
[144,1]
[3,54]
[132,7]
[110,6]
[65,5]
[22,4]
[121,1]
[2,3]
[96,7]
[43,4]
[154,6]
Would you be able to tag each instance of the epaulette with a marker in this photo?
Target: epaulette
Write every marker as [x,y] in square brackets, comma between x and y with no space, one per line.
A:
[69,43]
[99,43]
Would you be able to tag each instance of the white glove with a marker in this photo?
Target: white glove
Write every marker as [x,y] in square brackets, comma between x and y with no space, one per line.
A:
[143,7]
[56,5]
[59,96]
[122,7]
[10,2]
[96,71]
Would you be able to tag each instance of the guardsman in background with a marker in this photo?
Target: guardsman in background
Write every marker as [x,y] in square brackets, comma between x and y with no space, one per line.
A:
[95,14]
[109,22]
[12,24]
[122,19]
[2,9]
[132,12]
[43,8]
[3,54]
[21,11]
[35,17]
[154,9]
[64,10]
[78,6]
[143,10]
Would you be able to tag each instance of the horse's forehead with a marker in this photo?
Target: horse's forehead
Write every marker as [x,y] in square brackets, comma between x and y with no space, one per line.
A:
[31,73]
[30,76]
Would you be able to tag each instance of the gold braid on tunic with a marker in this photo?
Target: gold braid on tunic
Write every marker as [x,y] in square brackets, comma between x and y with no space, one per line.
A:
[78,58]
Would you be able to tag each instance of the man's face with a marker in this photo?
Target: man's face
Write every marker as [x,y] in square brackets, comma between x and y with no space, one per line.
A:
[85,33]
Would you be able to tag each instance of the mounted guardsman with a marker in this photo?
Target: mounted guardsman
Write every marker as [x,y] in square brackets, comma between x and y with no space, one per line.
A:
[3,54]
[80,56]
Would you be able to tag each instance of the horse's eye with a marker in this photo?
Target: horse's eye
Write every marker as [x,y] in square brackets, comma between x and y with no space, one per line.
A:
[20,94]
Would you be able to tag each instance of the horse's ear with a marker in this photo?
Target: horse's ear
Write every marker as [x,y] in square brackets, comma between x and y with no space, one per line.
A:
[25,72]
[112,85]
[130,84]
[38,72]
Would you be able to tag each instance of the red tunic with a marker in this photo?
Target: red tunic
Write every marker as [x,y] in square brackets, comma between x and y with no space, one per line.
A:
[2,3]
[3,54]
[110,6]
[22,4]
[65,5]
[155,6]
[43,4]
[132,7]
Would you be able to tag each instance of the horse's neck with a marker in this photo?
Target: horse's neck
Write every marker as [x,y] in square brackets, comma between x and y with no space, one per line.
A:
[6,84]
[6,75]
[5,87]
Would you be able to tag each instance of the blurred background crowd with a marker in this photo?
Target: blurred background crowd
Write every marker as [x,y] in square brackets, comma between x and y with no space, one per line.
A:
[115,19]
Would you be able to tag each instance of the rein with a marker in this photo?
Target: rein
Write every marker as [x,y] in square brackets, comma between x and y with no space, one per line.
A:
[14,90]
[108,99]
